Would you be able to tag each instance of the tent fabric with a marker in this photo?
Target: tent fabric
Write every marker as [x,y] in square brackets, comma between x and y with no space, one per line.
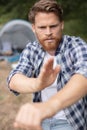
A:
[17,33]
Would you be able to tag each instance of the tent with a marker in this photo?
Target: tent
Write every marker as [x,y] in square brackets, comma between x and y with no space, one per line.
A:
[16,34]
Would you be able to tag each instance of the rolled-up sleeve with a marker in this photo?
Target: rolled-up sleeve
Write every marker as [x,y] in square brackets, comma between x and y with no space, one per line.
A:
[24,66]
[79,56]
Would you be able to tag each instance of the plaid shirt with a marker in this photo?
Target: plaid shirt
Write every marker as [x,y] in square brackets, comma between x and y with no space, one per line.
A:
[72,56]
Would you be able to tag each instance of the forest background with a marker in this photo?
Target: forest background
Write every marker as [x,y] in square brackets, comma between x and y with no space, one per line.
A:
[75,14]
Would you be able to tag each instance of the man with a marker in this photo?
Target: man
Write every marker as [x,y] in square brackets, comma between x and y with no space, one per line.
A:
[54,68]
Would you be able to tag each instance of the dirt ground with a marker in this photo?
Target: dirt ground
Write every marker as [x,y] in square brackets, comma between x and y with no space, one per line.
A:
[9,103]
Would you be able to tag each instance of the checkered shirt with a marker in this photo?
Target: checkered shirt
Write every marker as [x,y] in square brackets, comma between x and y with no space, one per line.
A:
[71,54]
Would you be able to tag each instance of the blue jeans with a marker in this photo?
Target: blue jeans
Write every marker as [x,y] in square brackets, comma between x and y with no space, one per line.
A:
[55,124]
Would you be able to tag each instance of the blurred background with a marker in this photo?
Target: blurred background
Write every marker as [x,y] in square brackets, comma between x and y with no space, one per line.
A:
[75,16]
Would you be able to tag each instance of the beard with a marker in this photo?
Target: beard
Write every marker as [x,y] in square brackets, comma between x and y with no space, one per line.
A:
[50,44]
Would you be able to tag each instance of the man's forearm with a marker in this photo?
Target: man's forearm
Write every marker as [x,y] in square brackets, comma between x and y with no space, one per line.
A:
[74,90]
[23,84]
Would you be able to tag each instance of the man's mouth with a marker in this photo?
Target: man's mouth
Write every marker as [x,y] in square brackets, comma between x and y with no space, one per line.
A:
[49,40]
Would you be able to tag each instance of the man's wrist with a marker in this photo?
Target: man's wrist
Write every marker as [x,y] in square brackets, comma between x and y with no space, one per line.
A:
[51,106]
[38,84]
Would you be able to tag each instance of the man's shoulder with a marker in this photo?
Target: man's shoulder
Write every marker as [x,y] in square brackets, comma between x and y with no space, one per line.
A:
[74,40]
[34,49]
[34,44]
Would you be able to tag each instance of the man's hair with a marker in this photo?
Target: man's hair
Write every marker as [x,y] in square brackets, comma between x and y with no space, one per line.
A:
[45,6]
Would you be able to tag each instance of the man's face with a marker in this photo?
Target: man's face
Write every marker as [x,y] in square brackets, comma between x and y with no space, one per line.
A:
[48,30]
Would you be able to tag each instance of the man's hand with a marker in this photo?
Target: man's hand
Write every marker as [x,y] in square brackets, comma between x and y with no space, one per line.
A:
[46,77]
[48,74]
[30,116]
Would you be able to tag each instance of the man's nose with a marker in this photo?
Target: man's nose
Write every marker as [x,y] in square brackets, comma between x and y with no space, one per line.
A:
[48,31]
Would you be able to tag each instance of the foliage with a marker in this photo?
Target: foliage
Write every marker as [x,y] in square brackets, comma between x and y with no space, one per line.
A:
[76,27]
[71,9]
[75,13]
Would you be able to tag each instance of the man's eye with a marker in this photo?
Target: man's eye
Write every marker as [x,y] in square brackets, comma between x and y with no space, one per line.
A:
[54,26]
[42,27]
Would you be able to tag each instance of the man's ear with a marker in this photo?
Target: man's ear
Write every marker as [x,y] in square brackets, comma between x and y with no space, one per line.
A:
[33,28]
[62,25]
